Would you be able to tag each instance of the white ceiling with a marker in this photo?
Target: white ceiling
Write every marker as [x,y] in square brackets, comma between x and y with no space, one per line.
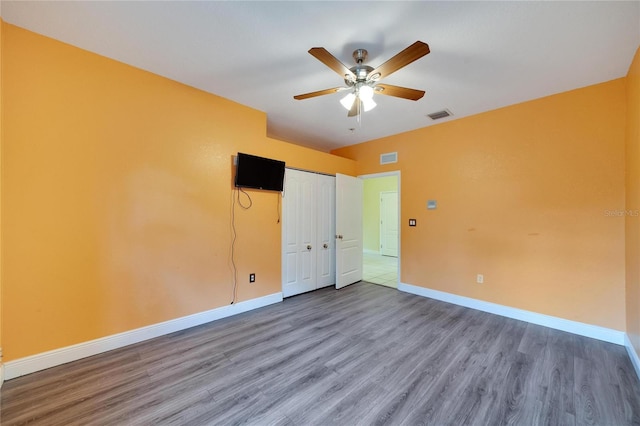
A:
[484,55]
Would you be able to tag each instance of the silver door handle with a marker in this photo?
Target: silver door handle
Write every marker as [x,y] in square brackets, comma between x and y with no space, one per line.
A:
[309,247]
[339,236]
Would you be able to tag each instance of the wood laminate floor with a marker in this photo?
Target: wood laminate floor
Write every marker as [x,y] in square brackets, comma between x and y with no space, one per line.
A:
[363,355]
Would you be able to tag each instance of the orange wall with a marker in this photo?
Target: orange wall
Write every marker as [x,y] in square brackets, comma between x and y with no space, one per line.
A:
[632,223]
[116,197]
[523,197]
[1,40]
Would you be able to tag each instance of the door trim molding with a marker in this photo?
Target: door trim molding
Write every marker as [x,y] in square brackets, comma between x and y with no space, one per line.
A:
[382,174]
[310,171]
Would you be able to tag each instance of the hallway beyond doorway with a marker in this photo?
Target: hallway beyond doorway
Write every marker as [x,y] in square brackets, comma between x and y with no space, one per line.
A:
[382,270]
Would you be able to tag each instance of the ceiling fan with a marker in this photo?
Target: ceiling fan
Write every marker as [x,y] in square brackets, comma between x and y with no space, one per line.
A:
[362,80]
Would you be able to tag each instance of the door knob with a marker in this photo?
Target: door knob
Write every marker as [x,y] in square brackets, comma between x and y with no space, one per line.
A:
[339,236]
[325,245]
[309,247]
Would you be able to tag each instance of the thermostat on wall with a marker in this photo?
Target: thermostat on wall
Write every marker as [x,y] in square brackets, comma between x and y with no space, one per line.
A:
[432,204]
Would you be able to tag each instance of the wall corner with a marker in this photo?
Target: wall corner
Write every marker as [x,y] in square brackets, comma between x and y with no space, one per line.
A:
[633,355]
[1,369]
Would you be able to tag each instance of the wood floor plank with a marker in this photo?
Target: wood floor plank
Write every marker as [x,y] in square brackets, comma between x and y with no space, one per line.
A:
[557,379]
[588,407]
[493,383]
[362,355]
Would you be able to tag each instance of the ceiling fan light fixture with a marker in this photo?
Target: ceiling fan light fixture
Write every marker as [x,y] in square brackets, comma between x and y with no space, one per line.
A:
[347,101]
[366,92]
[368,103]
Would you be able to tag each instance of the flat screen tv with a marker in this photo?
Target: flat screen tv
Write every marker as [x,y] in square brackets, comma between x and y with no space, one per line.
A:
[259,173]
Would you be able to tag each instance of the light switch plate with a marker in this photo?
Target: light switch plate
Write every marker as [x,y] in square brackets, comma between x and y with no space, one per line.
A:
[412,222]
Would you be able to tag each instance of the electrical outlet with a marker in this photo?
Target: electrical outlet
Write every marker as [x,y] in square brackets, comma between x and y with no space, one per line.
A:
[252,278]
[480,279]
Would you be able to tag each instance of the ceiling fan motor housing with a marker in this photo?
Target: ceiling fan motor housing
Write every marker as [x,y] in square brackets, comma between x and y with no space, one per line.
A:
[360,55]
[361,71]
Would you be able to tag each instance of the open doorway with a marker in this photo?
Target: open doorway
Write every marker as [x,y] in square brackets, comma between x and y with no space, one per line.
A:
[381,230]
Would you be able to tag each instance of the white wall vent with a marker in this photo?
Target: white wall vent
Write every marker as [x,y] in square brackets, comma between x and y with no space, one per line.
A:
[388,158]
[440,114]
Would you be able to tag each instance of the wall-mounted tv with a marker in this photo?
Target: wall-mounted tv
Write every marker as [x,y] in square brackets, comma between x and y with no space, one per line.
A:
[259,173]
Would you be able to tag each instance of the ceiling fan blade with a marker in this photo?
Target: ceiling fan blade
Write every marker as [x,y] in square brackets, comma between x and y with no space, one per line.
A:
[355,107]
[318,93]
[398,92]
[321,54]
[414,52]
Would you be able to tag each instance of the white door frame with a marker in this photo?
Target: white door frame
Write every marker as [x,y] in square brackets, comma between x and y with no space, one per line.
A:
[385,174]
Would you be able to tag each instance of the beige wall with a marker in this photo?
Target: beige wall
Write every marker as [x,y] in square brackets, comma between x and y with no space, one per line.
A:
[632,193]
[371,212]
[527,195]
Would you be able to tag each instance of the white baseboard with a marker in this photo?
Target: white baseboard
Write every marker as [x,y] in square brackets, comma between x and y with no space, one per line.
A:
[575,327]
[44,360]
[633,355]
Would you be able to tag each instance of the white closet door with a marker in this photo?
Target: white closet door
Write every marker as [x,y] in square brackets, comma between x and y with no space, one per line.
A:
[326,211]
[299,233]
[349,230]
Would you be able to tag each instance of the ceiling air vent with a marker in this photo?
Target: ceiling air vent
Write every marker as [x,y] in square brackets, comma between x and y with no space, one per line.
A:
[440,114]
[388,158]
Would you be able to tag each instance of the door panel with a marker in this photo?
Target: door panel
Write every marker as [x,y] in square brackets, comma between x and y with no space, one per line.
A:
[348,230]
[306,229]
[389,223]
[298,213]
[326,188]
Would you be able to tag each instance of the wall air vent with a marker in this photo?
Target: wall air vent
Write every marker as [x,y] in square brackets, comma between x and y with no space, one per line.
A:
[440,114]
[388,158]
